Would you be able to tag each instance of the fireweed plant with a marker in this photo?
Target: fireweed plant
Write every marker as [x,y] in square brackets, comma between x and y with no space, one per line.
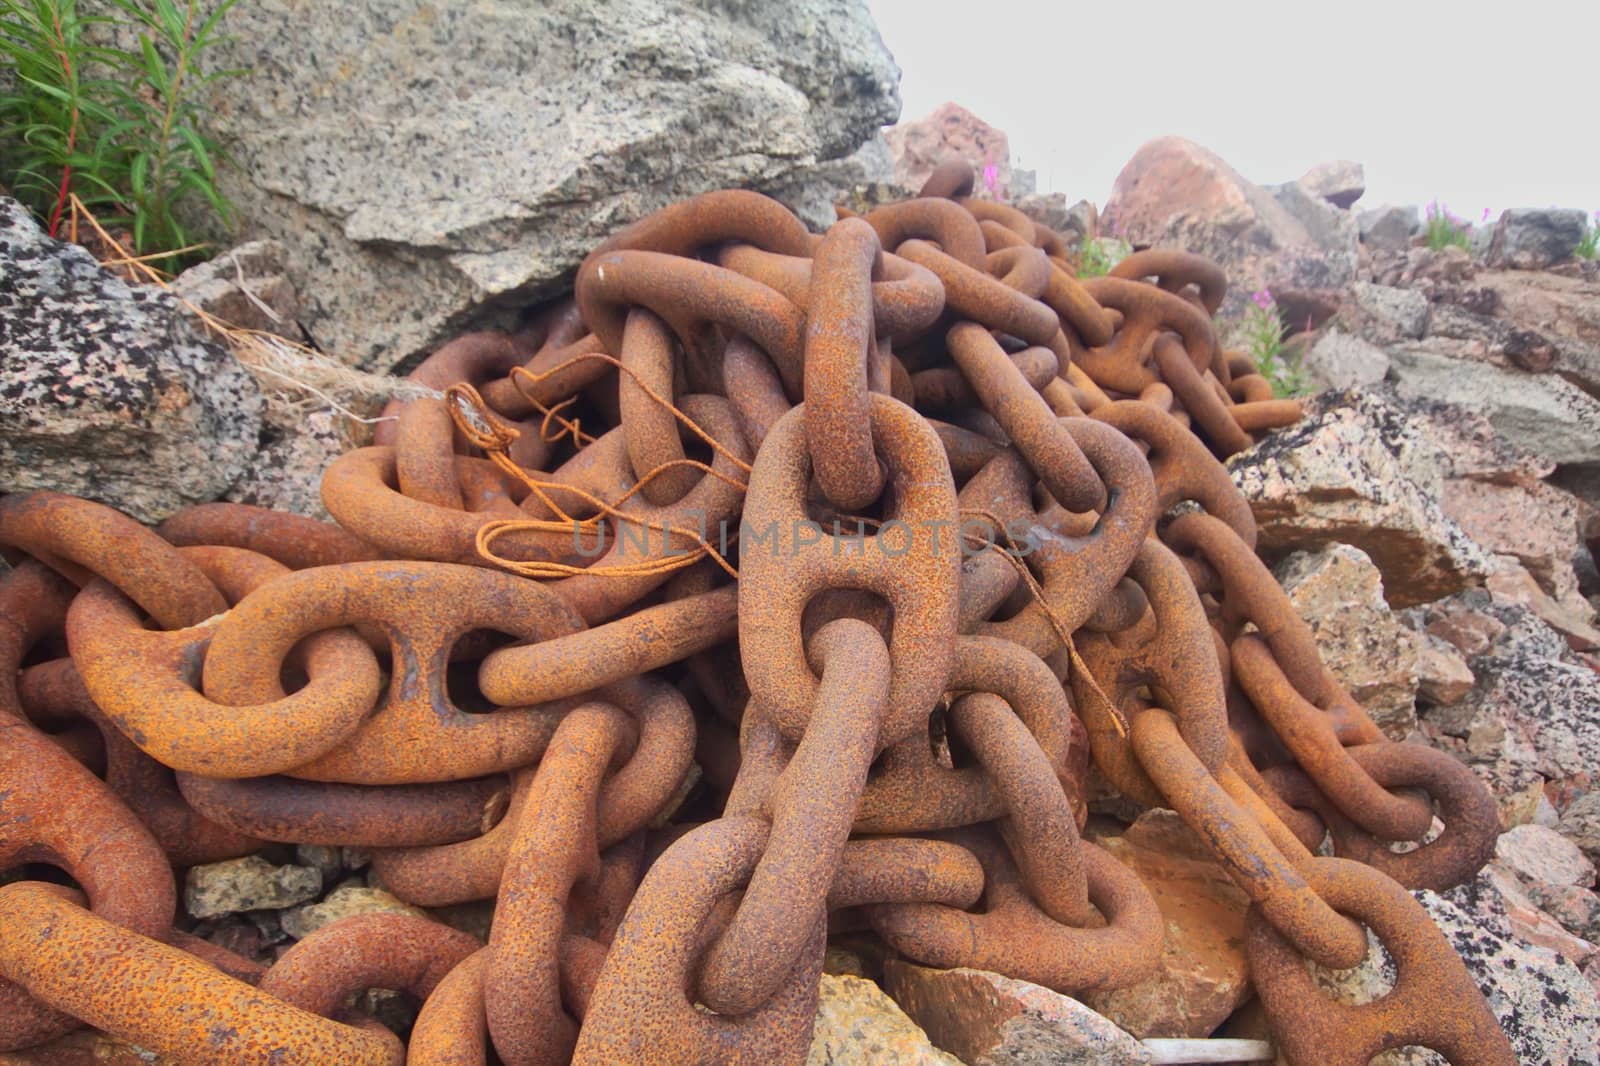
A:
[1443,229]
[1589,246]
[122,130]
[1260,333]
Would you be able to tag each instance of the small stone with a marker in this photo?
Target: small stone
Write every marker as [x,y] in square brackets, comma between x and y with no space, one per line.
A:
[1443,676]
[348,899]
[1537,854]
[247,884]
[986,1019]
[856,1022]
[246,287]
[325,859]
[1571,615]
[1534,238]
[1577,909]
[1339,593]
[1204,975]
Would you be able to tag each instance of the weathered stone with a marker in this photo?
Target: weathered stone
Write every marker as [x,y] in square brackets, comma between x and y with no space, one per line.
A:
[1526,918]
[1537,854]
[1337,360]
[1529,715]
[1443,676]
[1357,470]
[426,194]
[248,884]
[1577,909]
[1580,823]
[1570,615]
[986,1019]
[1534,238]
[1477,623]
[1534,522]
[348,899]
[326,860]
[247,287]
[1174,193]
[1382,314]
[1339,593]
[106,389]
[1338,181]
[1539,413]
[1204,976]
[1563,310]
[1388,227]
[1327,226]
[950,131]
[1543,1002]
[856,1022]
[296,447]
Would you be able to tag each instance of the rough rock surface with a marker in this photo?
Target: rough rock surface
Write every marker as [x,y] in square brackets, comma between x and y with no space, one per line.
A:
[1388,228]
[348,899]
[1384,314]
[949,132]
[248,287]
[1543,1001]
[1338,181]
[1338,360]
[296,447]
[1531,722]
[1357,470]
[106,391]
[1443,676]
[1581,824]
[1538,854]
[1339,593]
[1534,238]
[857,1022]
[1539,413]
[248,884]
[1175,193]
[424,193]
[1204,976]
[986,1019]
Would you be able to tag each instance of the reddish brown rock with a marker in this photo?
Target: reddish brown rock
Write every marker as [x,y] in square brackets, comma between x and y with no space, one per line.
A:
[1204,976]
[950,132]
[1175,193]
[1443,676]
[985,1019]
[1570,615]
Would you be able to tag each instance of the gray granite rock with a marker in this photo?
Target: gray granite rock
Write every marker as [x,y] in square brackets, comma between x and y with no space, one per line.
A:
[106,390]
[1580,823]
[1534,238]
[1338,360]
[432,166]
[1358,470]
[247,287]
[1388,228]
[248,884]
[296,448]
[348,899]
[1539,413]
[1383,314]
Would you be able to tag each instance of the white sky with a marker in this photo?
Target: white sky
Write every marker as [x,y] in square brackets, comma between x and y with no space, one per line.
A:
[1478,105]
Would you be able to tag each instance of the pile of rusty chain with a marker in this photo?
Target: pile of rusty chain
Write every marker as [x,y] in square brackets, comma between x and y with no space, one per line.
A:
[776,586]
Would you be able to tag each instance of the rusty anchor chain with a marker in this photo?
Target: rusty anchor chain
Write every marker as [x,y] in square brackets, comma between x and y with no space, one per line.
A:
[774,584]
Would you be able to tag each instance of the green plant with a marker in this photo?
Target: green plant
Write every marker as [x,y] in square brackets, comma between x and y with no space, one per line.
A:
[1097,255]
[1589,247]
[1444,229]
[121,130]
[1261,334]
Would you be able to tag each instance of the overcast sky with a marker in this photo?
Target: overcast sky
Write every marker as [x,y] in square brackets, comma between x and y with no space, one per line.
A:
[1436,101]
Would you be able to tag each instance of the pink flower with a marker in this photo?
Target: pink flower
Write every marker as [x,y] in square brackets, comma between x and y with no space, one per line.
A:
[991,176]
[1263,299]
[1485,215]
